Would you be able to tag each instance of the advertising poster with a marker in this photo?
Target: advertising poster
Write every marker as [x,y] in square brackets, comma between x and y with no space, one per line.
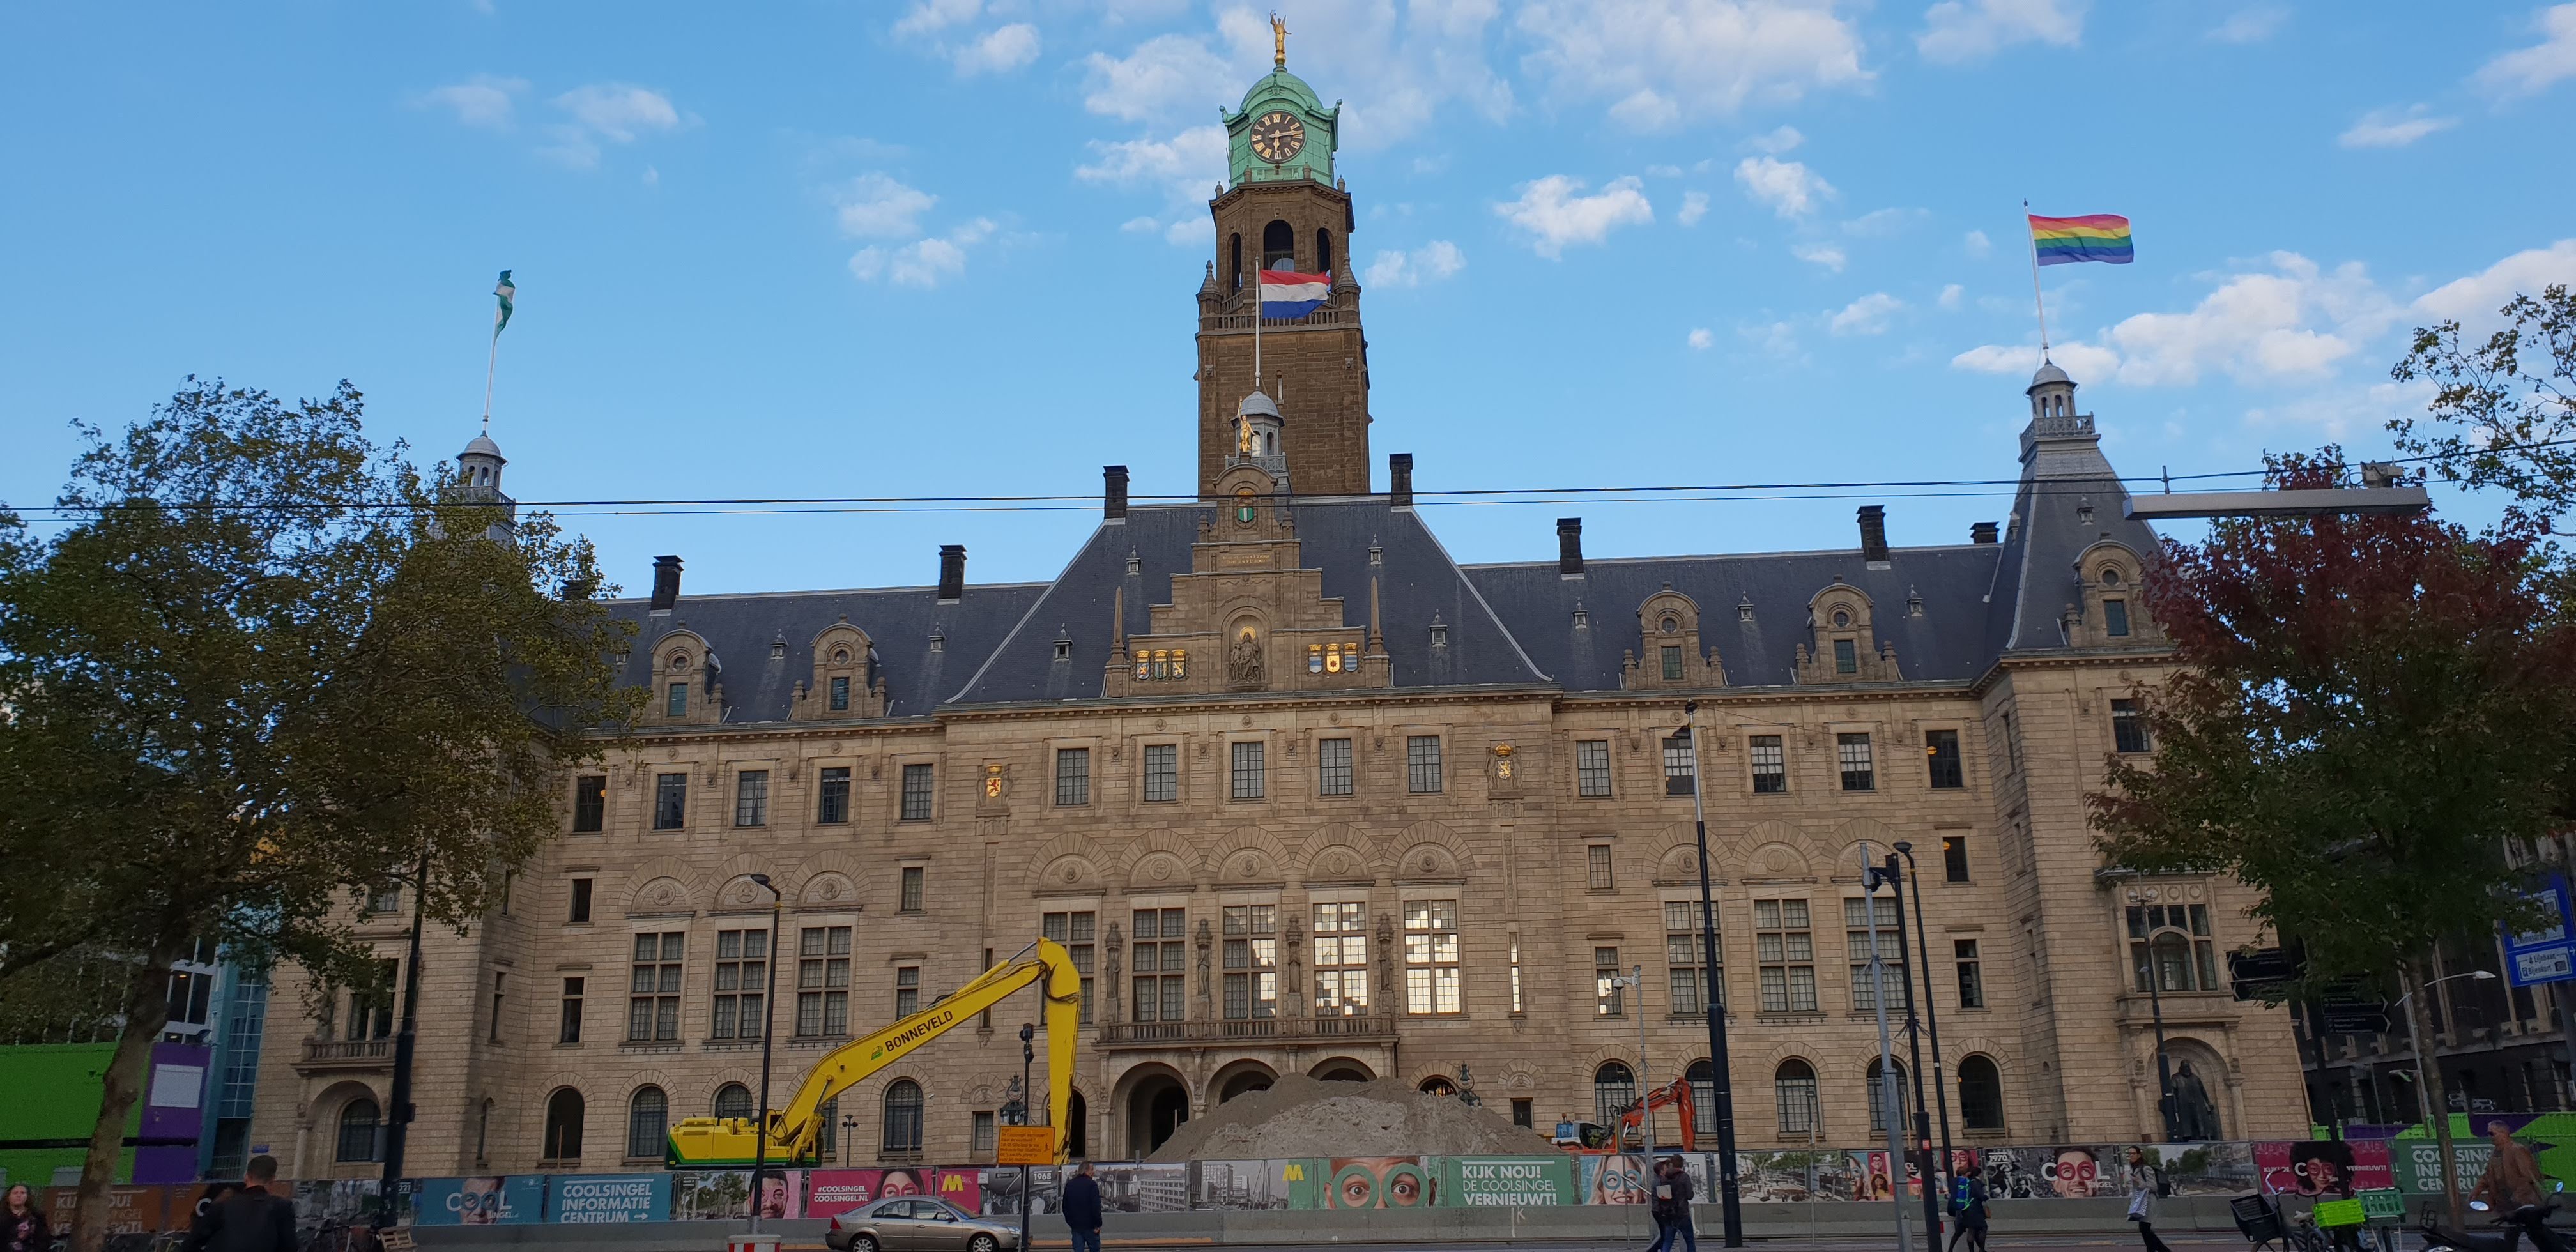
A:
[187,1204]
[345,1201]
[491,1200]
[1000,1190]
[1506,1181]
[593,1198]
[707,1195]
[2225,1168]
[1379,1182]
[782,1193]
[1143,1188]
[1241,1185]
[2075,1171]
[130,1210]
[2014,1173]
[1873,1182]
[2339,1167]
[1614,1178]
[2419,1163]
[833,1191]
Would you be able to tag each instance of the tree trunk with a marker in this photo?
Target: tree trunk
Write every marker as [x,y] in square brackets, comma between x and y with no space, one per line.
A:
[2435,1102]
[147,1010]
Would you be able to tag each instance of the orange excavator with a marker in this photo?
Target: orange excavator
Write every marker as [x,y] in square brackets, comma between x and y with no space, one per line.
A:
[1675,1095]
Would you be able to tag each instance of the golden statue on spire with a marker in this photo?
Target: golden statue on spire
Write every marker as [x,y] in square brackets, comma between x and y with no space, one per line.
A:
[1278,39]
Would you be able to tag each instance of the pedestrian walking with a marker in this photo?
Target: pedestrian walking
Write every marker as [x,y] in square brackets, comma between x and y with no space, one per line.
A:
[1672,1207]
[248,1220]
[1082,1209]
[22,1225]
[1969,1206]
[2146,1186]
[2512,1178]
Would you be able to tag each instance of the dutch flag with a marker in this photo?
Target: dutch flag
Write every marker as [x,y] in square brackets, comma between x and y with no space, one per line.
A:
[1289,294]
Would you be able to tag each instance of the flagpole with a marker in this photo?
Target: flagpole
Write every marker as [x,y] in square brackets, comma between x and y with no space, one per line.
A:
[490,365]
[1256,327]
[2035,297]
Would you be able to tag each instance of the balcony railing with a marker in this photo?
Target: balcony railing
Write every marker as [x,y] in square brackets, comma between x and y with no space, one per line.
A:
[348,1052]
[1231,1032]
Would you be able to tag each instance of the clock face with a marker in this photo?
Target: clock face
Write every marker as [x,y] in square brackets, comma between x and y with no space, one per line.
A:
[1277,136]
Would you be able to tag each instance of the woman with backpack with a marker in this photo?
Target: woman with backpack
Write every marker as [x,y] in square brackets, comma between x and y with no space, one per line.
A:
[2146,1186]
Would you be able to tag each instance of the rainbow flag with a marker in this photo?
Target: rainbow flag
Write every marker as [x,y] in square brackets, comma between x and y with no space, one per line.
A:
[2092,237]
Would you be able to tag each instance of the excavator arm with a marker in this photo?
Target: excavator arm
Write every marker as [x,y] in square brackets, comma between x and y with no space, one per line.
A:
[795,1128]
[1675,1095]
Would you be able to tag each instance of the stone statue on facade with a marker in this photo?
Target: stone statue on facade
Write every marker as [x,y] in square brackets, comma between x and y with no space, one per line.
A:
[1243,663]
[2195,1118]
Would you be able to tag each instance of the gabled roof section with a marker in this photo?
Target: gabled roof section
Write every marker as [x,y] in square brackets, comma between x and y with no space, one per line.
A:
[2069,499]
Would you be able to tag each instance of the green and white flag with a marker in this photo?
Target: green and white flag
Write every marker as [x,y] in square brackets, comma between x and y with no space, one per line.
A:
[501,316]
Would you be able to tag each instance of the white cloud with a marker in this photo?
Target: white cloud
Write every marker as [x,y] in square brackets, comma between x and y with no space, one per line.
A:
[606,113]
[932,16]
[1978,245]
[2292,322]
[1693,58]
[1165,76]
[1141,225]
[1553,215]
[1694,207]
[1663,171]
[484,100]
[1789,187]
[2528,71]
[1776,340]
[652,176]
[2337,412]
[1785,139]
[1646,109]
[1879,222]
[874,206]
[1700,339]
[923,263]
[1952,295]
[1430,263]
[1192,232]
[1823,254]
[1968,30]
[2472,301]
[2252,25]
[2394,128]
[2085,362]
[1865,316]
[1402,63]
[1184,167]
[1004,49]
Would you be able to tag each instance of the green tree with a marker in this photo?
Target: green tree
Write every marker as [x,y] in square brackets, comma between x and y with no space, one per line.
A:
[2503,412]
[2361,732]
[264,668]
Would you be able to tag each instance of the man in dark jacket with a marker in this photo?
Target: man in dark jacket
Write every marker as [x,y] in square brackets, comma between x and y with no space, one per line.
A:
[1082,1209]
[1672,1207]
[248,1220]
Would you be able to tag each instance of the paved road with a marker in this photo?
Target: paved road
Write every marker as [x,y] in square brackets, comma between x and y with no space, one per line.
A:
[2015,1243]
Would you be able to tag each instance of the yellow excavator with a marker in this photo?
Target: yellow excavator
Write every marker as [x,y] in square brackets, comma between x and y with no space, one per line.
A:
[794,1130]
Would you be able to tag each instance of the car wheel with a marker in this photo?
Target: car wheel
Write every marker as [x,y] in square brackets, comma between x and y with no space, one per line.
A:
[983,1243]
[863,1243]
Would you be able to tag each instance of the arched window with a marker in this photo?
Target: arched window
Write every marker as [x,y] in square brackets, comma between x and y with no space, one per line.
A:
[733,1100]
[1077,1127]
[648,1122]
[563,1125]
[2171,943]
[360,1121]
[1703,1081]
[1793,1085]
[1981,1094]
[1614,1088]
[1323,251]
[903,1116]
[1278,246]
[1878,1098]
[1439,1086]
[1234,260]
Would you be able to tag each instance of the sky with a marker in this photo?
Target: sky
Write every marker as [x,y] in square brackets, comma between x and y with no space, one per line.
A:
[950,247]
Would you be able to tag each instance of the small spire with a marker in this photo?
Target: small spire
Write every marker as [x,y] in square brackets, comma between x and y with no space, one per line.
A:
[1377,637]
[1118,626]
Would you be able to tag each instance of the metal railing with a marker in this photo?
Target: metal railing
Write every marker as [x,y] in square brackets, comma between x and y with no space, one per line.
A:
[348,1051]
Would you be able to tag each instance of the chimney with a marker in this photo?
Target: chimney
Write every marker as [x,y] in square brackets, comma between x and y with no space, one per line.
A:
[952,572]
[1113,493]
[1981,532]
[666,583]
[1873,533]
[1399,479]
[1569,547]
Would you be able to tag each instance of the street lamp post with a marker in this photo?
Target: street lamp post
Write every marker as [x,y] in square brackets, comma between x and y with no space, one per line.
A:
[1636,982]
[1028,1056]
[768,1019]
[1721,1078]
[2450,1168]
[1931,1010]
[1895,878]
[398,1117]
[1891,1097]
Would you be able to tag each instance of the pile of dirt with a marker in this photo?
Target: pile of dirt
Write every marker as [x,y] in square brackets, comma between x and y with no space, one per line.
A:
[1306,1117]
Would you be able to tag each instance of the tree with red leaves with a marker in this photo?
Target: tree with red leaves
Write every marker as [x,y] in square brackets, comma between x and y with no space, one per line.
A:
[2369,718]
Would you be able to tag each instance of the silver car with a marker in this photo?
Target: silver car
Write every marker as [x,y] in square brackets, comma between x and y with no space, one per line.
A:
[917,1224]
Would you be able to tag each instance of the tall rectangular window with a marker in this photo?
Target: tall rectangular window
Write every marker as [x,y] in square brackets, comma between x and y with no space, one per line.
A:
[907,991]
[2129,727]
[1592,768]
[1341,959]
[1954,858]
[1891,953]
[675,702]
[832,796]
[1072,776]
[500,983]
[1516,974]
[742,965]
[822,981]
[589,804]
[1251,961]
[1596,868]
[1681,766]
[670,801]
[1248,780]
[1846,657]
[916,793]
[1941,758]
[580,911]
[1158,964]
[909,901]
[1075,930]
[2012,743]
[653,990]
[1162,773]
[1672,655]
[1422,764]
[1431,956]
[1785,946]
[1859,771]
[984,1136]
[751,798]
[568,1030]
[2173,941]
[1770,765]
[1972,981]
[1685,957]
[1333,767]
[2115,618]
[840,693]
[1609,998]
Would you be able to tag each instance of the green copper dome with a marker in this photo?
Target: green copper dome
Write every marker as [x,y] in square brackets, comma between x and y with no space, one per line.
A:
[1283,132]
[1280,85]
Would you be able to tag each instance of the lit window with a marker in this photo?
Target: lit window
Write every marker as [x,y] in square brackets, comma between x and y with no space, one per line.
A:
[1786,949]
[1592,767]
[1609,993]
[1681,766]
[1251,961]
[1941,755]
[1431,956]
[1341,960]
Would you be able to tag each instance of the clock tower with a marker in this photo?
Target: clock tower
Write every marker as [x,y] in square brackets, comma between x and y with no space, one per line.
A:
[1283,209]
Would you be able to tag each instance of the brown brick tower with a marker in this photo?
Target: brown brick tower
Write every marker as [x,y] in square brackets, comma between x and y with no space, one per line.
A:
[1282,209]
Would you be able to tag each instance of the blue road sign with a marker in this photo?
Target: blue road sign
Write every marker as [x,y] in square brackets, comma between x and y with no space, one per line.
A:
[2549,953]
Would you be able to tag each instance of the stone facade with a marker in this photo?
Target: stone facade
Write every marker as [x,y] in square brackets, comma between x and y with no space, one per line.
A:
[1308,797]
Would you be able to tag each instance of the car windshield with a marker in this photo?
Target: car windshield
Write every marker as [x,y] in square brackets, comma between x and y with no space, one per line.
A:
[936,1209]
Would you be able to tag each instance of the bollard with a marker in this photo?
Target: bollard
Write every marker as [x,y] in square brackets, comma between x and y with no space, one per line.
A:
[764,1241]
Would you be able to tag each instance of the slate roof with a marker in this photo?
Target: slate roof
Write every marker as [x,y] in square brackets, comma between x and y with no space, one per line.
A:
[2063,473]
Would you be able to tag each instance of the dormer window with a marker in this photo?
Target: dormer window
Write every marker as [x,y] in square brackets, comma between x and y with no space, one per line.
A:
[1842,621]
[2115,618]
[676,704]
[1064,649]
[679,662]
[840,693]
[2111,576]
[1672,624]
[840,656]
[1846,655]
